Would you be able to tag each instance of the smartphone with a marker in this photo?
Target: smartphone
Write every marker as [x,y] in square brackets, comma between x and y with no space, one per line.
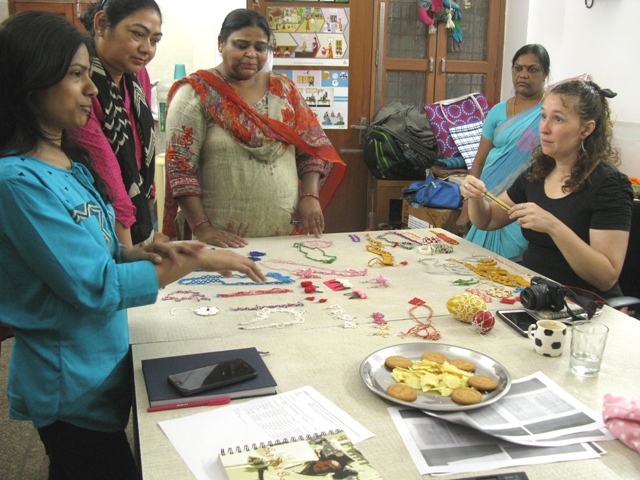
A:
[212,376]
[518,319]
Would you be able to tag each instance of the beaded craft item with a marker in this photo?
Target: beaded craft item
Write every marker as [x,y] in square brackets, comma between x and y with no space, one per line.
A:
[500,292]
[382,330]
[312,272]
[489,269]
[444,237]
[221,280]
[424,328]
[439,267]
[207,311]
[380,281]
[406,236]
[406,245]
[337,312]
[261,307]
[465,306]
[307,251]
[479,293]
[483,321]
[254,292]
[180,295]
[261,315]
[465,283]
[375,246]
[317,243]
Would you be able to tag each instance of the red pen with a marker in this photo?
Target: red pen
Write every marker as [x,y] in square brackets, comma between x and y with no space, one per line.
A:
[202,403]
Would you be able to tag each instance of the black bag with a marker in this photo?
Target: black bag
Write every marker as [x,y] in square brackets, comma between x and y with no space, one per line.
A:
[399,143]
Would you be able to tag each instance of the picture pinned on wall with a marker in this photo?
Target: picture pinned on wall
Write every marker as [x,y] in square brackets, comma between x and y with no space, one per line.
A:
[326,92]
[310,36]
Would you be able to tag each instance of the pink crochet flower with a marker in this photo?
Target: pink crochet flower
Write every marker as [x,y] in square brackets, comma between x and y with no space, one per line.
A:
[621,415]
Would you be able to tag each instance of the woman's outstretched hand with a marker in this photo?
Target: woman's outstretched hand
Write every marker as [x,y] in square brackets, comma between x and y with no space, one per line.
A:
[219,237]
[311,216]
[226,261]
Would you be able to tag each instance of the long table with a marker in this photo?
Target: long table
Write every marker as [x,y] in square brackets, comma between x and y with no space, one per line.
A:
[323,353]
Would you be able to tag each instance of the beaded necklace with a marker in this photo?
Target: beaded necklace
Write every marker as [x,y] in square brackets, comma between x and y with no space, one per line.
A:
[219,279]
[444,237]
[488,269]
[406,245]
[307,250]
[375,246]
[298,317]
[254,292]
[180,295]
[407,237]
[313,272]
[438,267]
[317,243]
[424,329]
[261,307]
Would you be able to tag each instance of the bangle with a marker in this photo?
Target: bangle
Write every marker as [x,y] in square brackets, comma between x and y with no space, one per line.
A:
[199,224]
[314,195]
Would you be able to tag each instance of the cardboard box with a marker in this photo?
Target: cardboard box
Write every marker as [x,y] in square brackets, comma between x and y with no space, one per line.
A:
[435,217]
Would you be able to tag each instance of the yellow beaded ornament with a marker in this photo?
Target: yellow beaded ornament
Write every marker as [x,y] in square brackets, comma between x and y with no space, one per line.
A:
[465,306]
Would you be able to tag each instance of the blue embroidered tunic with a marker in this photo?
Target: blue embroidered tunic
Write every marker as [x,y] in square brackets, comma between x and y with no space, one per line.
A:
[65,292]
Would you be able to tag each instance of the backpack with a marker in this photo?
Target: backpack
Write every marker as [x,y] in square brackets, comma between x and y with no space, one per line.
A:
[399,143]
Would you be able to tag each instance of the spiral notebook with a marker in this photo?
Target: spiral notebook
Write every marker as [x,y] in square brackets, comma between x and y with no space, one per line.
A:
[299,458]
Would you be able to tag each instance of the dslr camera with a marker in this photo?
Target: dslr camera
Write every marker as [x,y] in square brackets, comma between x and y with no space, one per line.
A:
[543,294]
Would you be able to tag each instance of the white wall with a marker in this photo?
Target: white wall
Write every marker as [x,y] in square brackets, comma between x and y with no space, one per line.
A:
[4,9]
[190,31]
[582,40]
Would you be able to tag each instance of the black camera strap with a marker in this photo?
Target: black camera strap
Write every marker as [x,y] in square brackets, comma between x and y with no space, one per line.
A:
[590,302]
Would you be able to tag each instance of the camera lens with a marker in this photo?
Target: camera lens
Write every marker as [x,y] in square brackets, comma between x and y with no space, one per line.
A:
[535,297]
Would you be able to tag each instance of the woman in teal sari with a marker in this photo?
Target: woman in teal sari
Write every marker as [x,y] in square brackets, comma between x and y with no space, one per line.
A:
[509,135]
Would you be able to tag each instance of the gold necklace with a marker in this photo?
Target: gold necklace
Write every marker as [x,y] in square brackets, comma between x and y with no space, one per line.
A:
[515,99]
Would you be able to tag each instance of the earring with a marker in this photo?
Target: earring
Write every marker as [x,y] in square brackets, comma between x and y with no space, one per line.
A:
[582,147]
[220,49]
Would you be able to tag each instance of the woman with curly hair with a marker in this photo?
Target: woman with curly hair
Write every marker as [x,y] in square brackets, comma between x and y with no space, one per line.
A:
[573,205]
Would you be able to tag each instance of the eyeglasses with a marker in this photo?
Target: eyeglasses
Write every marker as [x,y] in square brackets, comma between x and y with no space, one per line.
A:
[102,3]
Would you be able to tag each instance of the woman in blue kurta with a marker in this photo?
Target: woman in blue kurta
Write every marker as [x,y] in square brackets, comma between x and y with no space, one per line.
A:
[509,136]
[66,281]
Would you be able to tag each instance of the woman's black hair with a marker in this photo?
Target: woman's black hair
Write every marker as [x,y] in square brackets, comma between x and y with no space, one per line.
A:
[242,18]
[589,102]
[36,50]
[115,11]
[541,54]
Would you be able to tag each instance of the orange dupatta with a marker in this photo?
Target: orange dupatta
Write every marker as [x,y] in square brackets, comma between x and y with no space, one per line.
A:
[307,134]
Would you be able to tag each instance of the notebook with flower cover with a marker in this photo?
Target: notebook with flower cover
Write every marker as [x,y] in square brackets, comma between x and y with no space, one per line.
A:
[318,455]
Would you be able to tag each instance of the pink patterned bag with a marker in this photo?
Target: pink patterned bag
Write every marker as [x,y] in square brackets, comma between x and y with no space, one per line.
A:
[444,114]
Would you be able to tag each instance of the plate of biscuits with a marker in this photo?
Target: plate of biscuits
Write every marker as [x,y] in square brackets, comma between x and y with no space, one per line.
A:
[435,376]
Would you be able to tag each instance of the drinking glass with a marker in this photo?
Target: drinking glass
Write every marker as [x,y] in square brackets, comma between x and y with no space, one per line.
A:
[587,347]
